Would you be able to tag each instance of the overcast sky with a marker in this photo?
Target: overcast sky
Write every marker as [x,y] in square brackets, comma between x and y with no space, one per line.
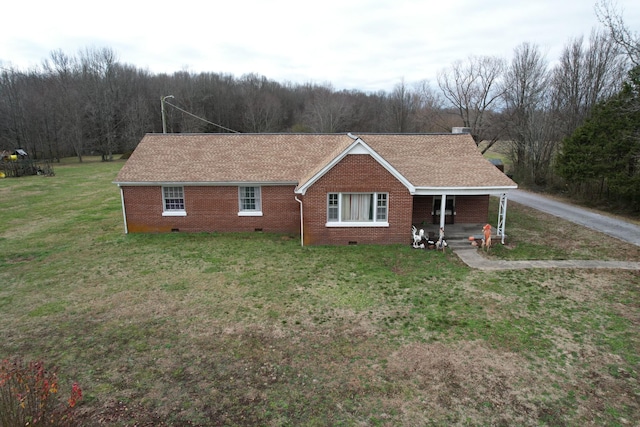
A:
[368,45]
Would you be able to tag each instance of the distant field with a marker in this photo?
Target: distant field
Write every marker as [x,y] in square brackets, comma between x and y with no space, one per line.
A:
[251,329]
[500,150]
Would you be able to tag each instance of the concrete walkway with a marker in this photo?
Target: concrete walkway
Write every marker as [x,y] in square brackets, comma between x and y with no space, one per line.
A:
[470,255]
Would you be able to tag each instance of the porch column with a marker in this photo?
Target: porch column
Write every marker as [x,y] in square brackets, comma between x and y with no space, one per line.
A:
[443,205]
[502,215]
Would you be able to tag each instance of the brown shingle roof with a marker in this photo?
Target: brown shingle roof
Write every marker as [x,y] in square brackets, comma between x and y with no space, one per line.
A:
[222,158]
[438,160]
[425,160]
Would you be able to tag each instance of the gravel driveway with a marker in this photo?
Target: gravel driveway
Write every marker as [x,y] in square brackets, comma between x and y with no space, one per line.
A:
[623,230]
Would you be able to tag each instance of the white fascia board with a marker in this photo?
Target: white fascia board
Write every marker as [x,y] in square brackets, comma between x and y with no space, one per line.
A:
[461,191]
[205,184]
[357,147]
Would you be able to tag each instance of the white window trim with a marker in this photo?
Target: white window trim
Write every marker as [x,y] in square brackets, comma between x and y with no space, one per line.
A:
[253,212]
[172,212]
[356,224]
[250,213]
[374,223]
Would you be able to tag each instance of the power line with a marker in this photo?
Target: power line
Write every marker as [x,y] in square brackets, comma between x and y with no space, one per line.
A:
[200,118]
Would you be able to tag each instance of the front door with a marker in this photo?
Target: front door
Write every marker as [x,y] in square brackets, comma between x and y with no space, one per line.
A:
[449,211]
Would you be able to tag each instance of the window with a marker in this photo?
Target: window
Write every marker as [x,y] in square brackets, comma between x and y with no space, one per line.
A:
[381,208]
[357,209]
[249,200]
[333,209]
[173,201]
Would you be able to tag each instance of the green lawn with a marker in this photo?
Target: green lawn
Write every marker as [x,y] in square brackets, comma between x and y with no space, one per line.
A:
[252,329]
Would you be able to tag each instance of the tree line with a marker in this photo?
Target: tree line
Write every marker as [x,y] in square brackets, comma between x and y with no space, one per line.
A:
[91,103]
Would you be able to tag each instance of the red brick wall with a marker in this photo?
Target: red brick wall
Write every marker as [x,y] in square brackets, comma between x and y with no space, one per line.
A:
[469,210]
[422,206]
[216,208]
[472,209]
[357,173]
[211,209]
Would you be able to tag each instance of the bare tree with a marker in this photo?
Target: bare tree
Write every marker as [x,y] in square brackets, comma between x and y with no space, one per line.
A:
[621,34]
[403,105]
[429,117]
[262,108]
[327,111]
[12,88]
[64,72]
[473,89]
[102,95]
[527,114]
[585,75]
[368,112]
[136,108]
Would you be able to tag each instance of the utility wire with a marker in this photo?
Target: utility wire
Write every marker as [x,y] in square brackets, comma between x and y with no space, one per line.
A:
[200,118]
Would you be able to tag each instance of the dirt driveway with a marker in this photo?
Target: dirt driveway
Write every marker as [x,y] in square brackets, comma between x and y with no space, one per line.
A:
[623,230]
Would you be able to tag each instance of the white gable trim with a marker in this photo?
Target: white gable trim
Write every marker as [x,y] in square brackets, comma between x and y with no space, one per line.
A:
[361,148]
[358,149]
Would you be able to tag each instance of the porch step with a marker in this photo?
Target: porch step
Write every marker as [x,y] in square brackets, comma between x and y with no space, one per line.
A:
[452,231]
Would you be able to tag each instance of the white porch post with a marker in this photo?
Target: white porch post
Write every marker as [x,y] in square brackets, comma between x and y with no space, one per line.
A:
[502,215]
[443,205]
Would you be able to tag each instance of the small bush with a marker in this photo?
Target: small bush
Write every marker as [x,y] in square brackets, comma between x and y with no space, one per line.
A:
[29,396]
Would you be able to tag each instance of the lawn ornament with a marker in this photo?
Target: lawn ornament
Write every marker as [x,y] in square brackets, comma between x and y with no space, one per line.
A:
[441,243]
[486,239]
[418,237]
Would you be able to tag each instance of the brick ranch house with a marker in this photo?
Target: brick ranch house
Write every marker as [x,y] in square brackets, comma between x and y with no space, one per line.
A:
[327,188]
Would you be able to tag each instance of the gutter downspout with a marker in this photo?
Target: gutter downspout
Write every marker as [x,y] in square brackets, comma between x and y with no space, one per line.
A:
[124,212]
[301,222]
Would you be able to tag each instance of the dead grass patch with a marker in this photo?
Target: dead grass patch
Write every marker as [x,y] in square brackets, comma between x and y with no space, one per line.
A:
[207,329]
[466,381]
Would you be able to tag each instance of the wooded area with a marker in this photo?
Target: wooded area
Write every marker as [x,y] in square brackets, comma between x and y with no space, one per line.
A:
[91,103]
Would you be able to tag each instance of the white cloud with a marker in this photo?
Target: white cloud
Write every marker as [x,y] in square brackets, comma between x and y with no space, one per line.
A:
[359,44]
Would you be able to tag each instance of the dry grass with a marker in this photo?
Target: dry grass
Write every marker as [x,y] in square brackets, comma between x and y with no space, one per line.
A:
[537,235]
[251,329]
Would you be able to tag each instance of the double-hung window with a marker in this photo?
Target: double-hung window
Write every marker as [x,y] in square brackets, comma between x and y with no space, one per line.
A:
[173,201]
[250,203]
[357,209]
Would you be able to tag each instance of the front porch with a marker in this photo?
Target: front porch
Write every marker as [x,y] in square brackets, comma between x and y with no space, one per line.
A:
[463,215]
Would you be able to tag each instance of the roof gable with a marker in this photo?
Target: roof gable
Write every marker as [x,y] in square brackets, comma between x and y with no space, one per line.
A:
[358,146]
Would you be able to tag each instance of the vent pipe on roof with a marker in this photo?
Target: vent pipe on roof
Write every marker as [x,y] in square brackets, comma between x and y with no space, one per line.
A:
[460,130]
